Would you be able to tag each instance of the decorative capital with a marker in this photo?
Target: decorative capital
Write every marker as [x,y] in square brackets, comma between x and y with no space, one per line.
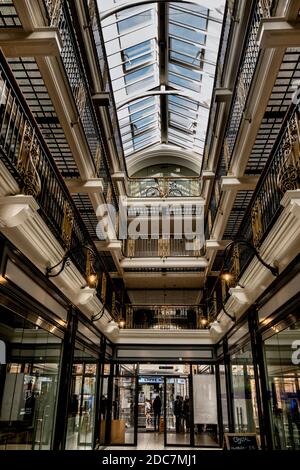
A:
[15,210]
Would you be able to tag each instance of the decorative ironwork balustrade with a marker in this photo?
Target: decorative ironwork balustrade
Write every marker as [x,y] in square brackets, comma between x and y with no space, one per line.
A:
[164,187]
[26,155]
[261,9]
[162,248]
[165,317]
[281,174]
[59,16]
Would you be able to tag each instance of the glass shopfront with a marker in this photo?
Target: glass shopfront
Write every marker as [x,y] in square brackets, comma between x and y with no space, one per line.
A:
[206,425]
[244,392]
[282,358]
[176,403]
[81,416]
[28,383]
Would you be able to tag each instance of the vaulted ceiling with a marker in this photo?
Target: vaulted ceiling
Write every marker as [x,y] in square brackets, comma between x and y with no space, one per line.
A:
[162,58]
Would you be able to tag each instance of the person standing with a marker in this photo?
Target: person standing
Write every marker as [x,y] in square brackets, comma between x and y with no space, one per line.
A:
[178,413]
[157,411]
[186,413]
[148,412]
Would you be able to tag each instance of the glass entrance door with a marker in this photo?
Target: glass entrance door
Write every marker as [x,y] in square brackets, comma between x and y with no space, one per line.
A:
[177,416]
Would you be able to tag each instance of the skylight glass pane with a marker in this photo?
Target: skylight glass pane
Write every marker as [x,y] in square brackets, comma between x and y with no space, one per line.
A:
[180,101]
[133,37]
[135,21]
[187,18]
[137,55]
[192,35]
[138,74]
[141,85]
[141,104]
[184,83]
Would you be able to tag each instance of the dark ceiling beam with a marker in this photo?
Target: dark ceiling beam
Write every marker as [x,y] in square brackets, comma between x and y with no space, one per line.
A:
[163,64]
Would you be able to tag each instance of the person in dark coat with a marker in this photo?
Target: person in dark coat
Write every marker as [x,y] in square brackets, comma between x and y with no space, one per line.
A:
[157,411]
[177,410]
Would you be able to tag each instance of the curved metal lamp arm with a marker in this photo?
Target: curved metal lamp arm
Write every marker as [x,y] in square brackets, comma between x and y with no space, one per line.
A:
[65,259]
[274,269]
[232,318]
[96,317]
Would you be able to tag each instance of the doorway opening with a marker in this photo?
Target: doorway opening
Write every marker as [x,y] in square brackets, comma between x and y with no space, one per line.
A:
[157,405]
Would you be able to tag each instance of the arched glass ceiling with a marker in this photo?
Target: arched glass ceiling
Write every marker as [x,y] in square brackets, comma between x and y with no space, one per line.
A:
[162,58]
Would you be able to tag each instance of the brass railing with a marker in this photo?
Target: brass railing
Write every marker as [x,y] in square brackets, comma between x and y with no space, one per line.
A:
[282,173]
[162,248]
[164,187]
[262,9]
[166,317]
[59,16]
[26,155]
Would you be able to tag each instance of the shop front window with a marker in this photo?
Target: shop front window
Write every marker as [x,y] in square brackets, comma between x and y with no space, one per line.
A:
[28,384]
[81,417]
[282,353]
[205,406]
[224,398]
[244,392]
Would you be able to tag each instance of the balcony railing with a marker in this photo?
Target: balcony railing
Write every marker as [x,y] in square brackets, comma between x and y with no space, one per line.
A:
[165,317]
[162,248]
[282,173]
[261,9]
[59,16]
[27,157]
[164,187]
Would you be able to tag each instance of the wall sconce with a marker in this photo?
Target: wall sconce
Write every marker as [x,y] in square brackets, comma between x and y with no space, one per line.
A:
[91,275]
[122,323]
[228,277]
[203,321]
[225,274]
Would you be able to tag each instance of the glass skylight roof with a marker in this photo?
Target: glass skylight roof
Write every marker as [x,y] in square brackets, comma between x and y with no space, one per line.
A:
[162,68]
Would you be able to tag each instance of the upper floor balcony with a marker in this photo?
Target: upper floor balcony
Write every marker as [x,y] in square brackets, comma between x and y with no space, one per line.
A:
[26,156]
[280,176]
[164,317]
[164,187]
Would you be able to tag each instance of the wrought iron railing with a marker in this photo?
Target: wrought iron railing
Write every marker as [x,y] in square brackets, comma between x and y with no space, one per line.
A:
[162,248]
[282,173]
[27,157]
[59,16]
[164,187]
[261,9]
[165,317]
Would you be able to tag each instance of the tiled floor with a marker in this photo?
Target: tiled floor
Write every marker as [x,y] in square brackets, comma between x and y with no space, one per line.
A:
[155,441]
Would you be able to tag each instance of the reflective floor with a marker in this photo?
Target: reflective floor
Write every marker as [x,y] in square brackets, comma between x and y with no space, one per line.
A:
[155,441]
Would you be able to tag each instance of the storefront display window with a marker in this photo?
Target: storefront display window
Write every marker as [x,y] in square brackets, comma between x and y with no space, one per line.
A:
[224,398]
[283,374]
[244,392]
[28,384]
[205,406]
[81,418]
